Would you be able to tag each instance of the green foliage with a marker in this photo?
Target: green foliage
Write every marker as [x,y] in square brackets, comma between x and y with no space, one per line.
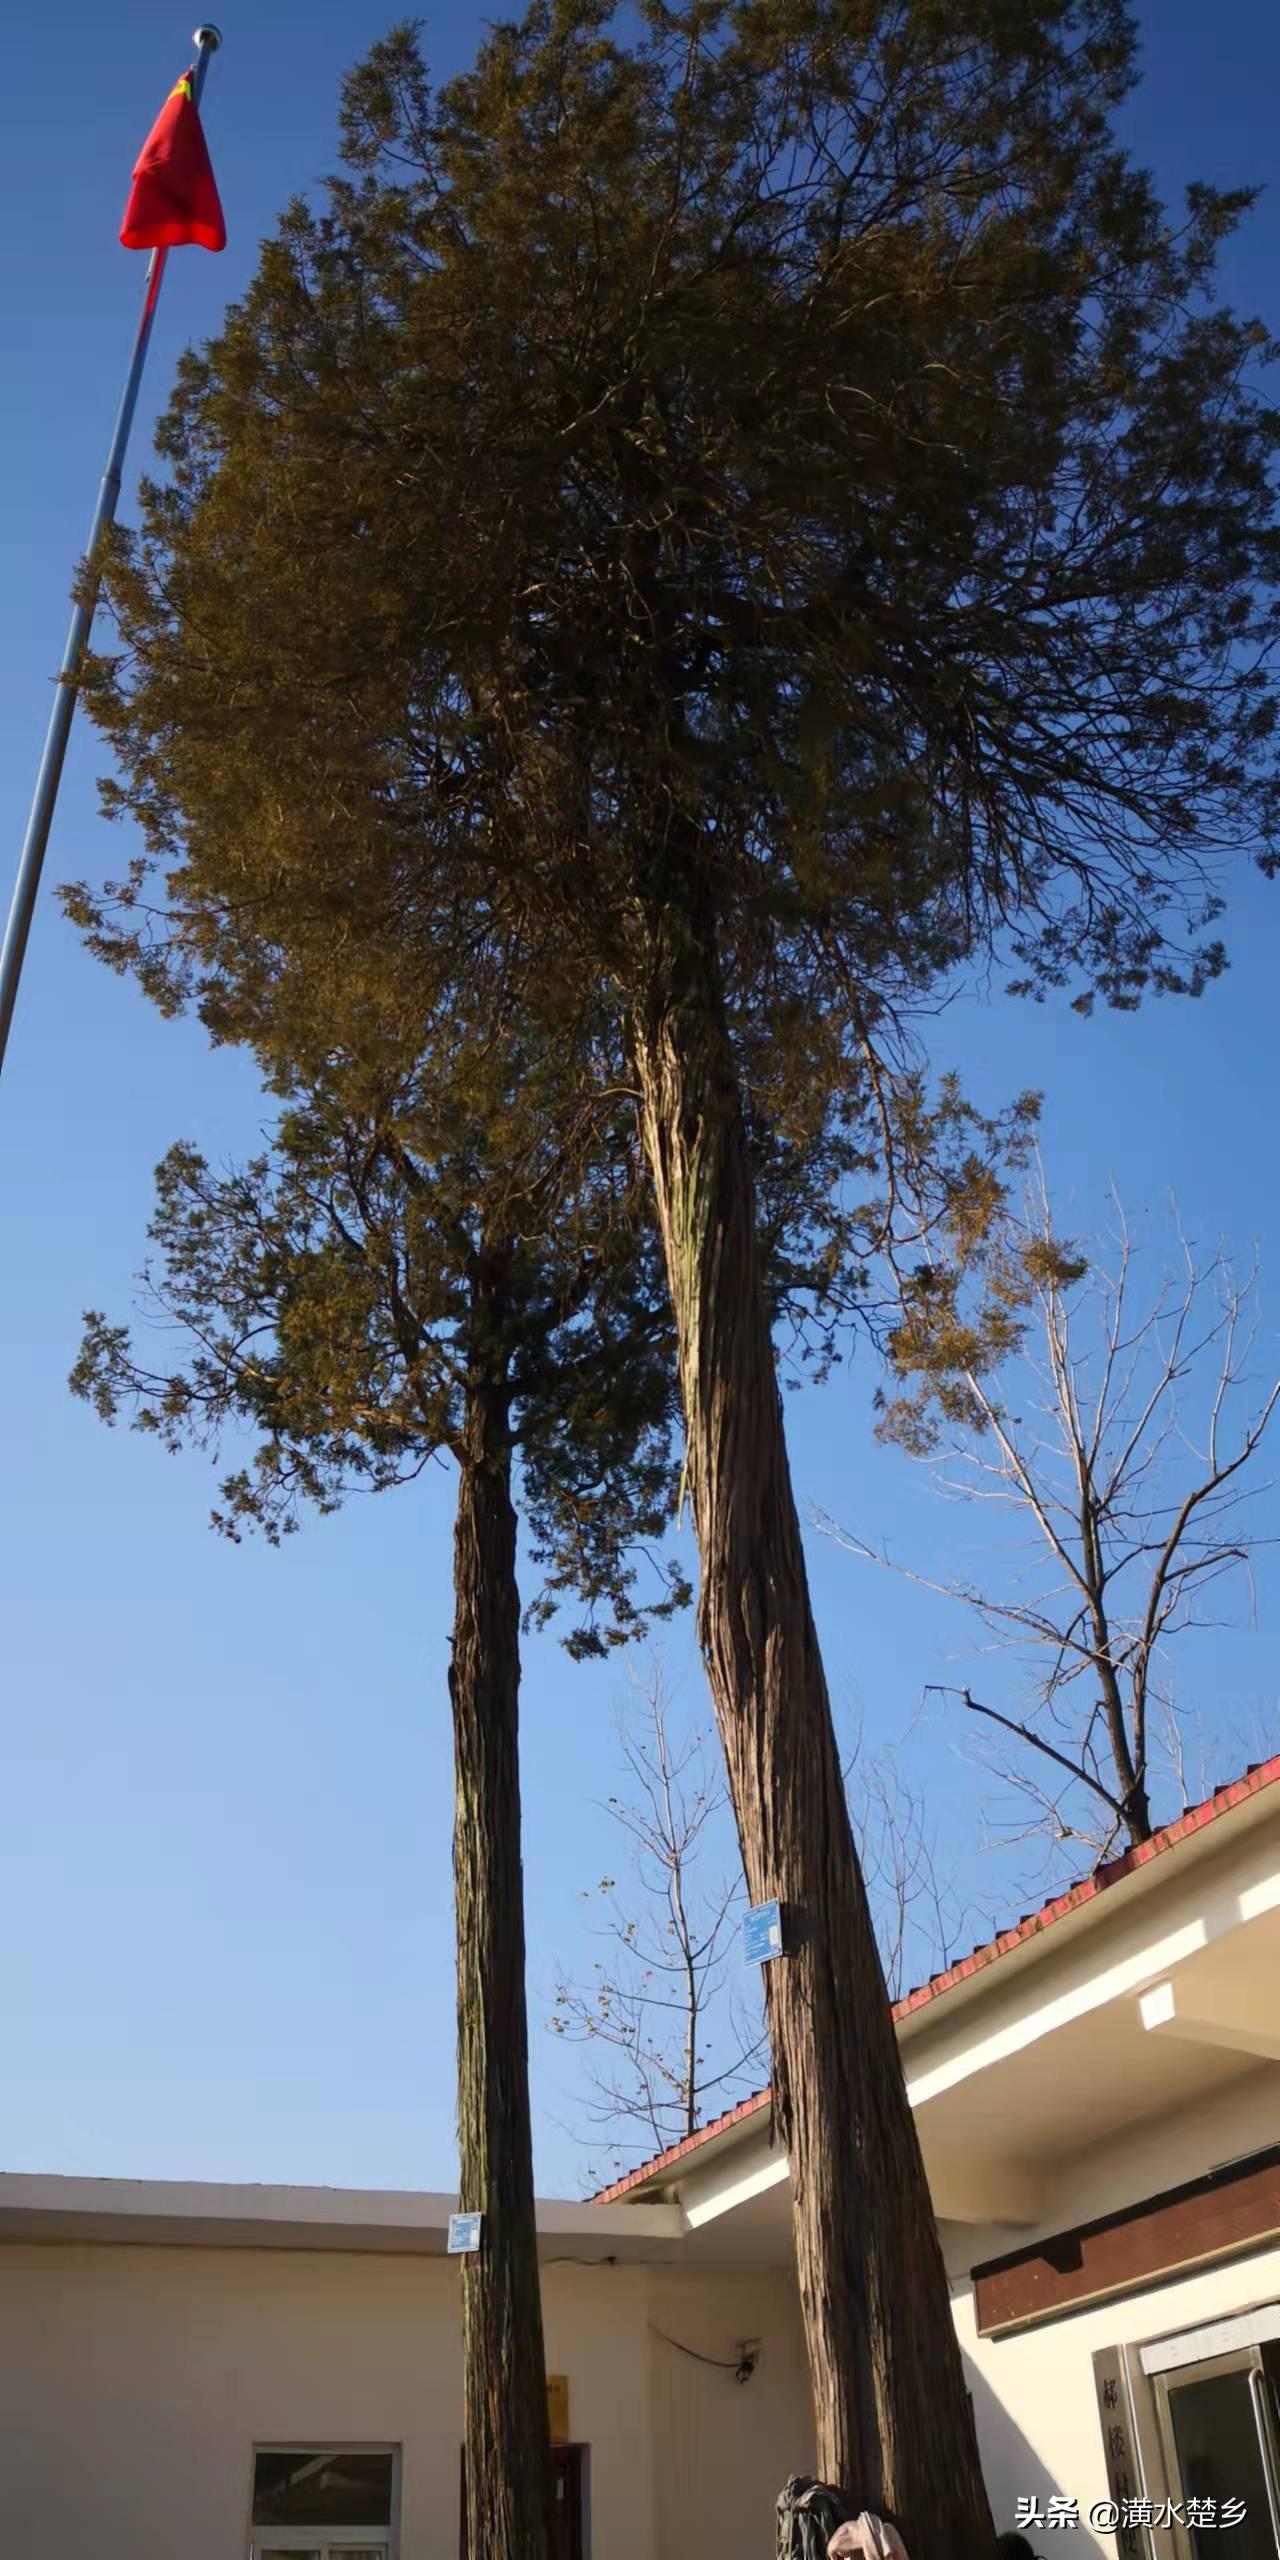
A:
[786,467]
[326,1296]
[964,1317]
[784,471]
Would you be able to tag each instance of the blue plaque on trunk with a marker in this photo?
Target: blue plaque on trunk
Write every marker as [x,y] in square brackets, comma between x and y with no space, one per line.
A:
[762,1933]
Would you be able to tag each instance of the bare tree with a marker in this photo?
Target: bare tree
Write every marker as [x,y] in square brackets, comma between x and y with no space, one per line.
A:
[674,2034]
[918,1919]
[672,2021]
[1120,1431]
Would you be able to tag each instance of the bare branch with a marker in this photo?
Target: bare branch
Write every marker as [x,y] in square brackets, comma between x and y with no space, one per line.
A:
[1082,1422]
[670,2039]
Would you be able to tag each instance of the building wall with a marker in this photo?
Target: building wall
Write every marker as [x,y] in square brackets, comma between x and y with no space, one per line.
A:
[134,2383]
[724,2449]
[1034,2395]
[595,2323]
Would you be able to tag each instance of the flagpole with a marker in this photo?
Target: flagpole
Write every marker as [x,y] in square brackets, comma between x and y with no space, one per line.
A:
[35,842]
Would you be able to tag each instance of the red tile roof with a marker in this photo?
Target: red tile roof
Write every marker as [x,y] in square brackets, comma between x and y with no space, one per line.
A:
[1193,1818]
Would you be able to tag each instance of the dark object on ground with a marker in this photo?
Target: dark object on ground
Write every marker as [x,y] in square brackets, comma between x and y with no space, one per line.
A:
[809,2513]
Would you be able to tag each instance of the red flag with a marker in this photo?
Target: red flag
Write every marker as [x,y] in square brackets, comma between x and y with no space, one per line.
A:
[173,201]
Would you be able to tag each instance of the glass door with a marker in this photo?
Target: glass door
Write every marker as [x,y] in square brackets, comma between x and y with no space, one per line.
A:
[1218,2421]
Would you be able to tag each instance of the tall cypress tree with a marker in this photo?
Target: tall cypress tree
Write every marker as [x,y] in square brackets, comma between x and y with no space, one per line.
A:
[411,1272]
[768,512]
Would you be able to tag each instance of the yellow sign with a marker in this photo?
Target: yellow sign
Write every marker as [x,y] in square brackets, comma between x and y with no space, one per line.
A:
[558,2407]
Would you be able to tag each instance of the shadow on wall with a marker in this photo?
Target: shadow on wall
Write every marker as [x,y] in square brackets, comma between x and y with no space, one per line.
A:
[1013,2470]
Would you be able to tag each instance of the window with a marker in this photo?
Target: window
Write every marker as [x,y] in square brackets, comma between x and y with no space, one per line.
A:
[322,2502]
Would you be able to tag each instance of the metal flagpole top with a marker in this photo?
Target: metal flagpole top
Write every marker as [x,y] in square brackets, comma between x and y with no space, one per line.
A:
[208,40]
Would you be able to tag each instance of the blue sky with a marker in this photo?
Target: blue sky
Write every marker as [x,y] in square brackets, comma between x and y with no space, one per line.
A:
[225,1925]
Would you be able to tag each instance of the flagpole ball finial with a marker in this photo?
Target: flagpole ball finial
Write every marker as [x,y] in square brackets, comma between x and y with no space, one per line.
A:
[209,37]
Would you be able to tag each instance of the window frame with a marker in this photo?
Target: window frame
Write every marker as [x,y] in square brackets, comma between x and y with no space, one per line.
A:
[321,2538]
[1210,2340]
[326,2539]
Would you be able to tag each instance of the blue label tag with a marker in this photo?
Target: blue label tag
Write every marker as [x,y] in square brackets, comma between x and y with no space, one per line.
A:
[464,2234]
[762,1933]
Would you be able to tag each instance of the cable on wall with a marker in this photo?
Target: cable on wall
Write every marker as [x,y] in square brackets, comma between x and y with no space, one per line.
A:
[741,2366]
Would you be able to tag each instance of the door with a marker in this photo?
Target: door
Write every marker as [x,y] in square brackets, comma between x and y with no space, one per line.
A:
[1220,2427]
[564,2534]
[566,2502]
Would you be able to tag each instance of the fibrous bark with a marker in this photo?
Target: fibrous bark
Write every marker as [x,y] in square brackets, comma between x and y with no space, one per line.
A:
[507,2458]
[894,2422]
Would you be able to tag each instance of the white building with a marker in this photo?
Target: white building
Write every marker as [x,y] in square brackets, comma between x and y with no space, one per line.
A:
[1099,2105]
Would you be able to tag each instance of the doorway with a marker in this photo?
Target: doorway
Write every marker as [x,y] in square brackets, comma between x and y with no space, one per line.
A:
[566,2530]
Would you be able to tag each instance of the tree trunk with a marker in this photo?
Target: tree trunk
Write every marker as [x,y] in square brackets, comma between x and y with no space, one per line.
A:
[1130,1764]
[894,2422]
[507,2461]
